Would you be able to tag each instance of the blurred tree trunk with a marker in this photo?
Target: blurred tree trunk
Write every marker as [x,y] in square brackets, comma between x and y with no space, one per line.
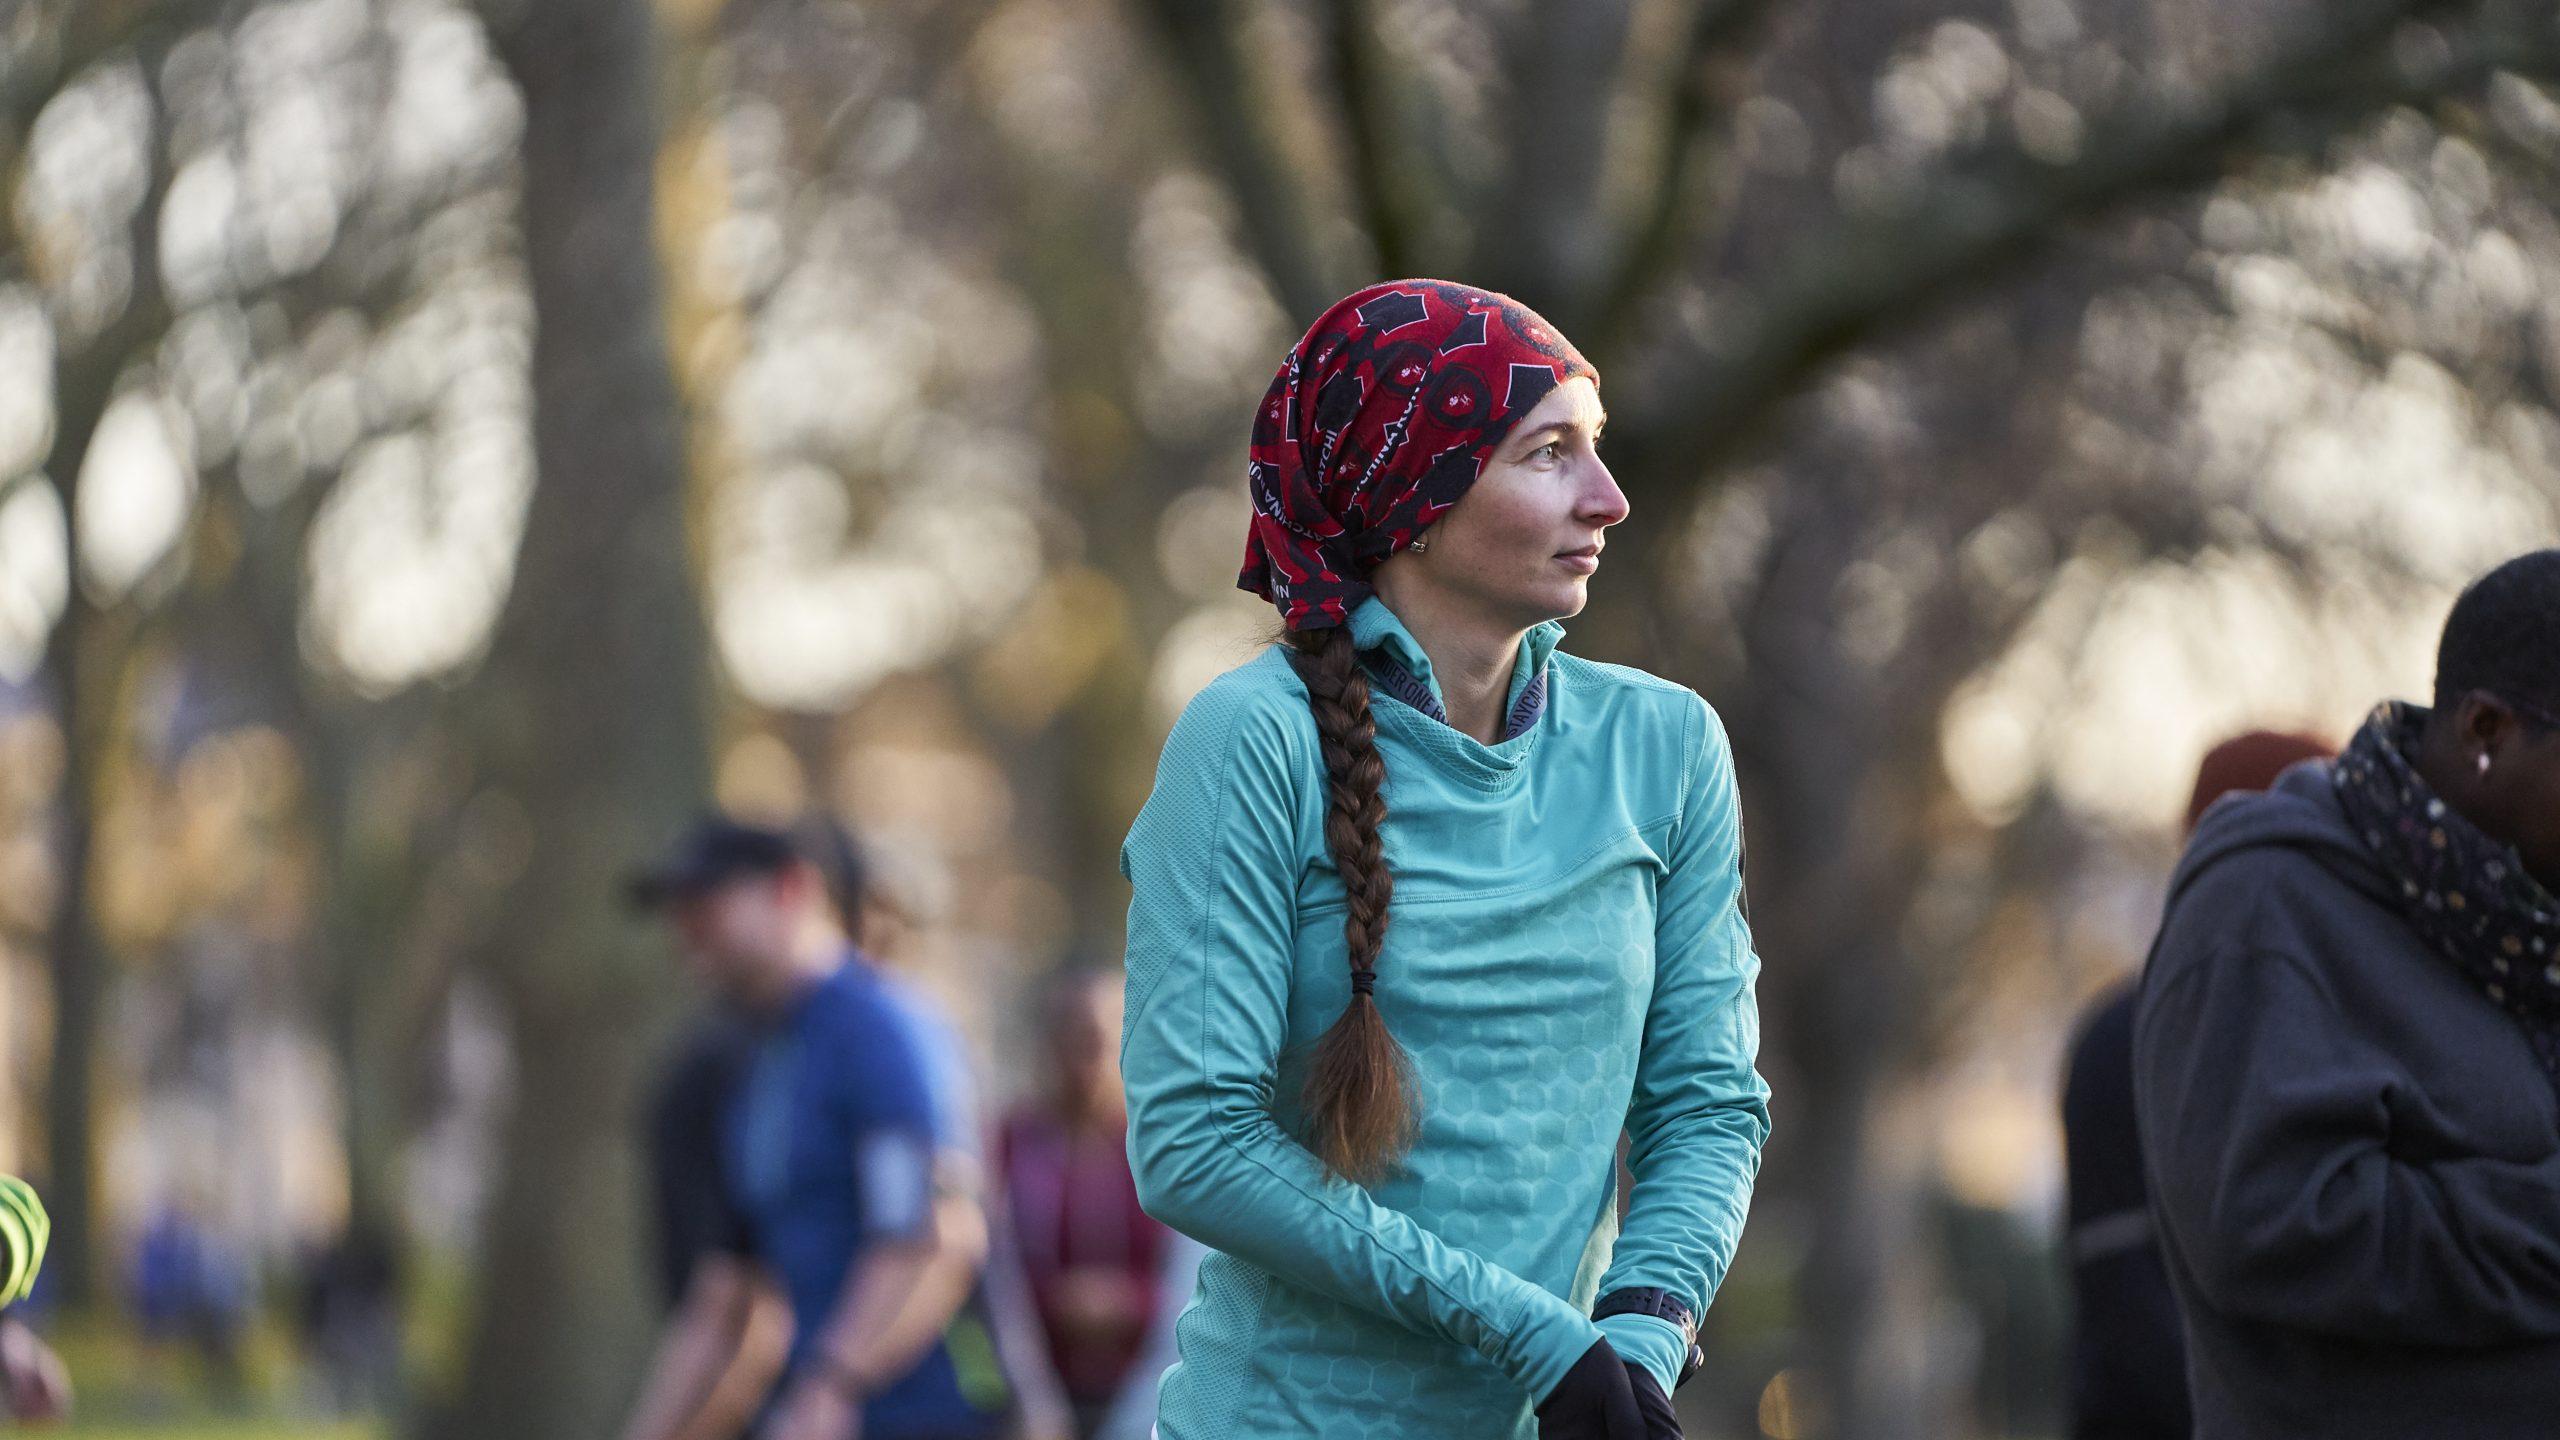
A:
[1120,485]
[1834,866]
[372,881]
[372,833]
[595,701]
[86,666]
[82,671]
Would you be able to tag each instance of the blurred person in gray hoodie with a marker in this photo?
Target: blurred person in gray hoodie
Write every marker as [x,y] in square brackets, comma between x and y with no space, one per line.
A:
[2347,1062]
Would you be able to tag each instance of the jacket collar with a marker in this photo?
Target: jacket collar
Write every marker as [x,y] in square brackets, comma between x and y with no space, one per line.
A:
[1380,636]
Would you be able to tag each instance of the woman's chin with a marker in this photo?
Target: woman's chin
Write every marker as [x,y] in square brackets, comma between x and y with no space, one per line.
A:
[1563,601]
[1544,598]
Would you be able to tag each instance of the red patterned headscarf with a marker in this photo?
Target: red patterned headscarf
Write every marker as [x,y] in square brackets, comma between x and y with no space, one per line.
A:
[1378,421]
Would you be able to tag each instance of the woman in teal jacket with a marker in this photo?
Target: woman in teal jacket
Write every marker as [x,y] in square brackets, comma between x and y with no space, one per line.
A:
[1399,1141]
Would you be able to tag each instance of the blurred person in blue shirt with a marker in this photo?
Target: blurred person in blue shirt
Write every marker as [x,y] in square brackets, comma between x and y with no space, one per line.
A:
[829,1152]
[191,1289]
[885,900]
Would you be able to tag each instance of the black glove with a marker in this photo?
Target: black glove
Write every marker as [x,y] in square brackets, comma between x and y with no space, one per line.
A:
[1661,1422]
[1593,1401]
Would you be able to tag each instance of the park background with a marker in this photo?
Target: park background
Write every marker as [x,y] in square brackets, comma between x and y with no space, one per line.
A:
[444,445]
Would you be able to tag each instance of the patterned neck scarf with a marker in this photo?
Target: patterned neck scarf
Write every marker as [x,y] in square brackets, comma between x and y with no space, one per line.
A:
[1379,419]
[2467,894]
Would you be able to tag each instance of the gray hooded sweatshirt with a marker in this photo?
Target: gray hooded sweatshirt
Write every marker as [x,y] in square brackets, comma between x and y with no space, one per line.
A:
[2354,1156]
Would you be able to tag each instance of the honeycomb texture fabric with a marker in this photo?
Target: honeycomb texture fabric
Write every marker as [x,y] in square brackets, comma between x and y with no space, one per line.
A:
[1568,957]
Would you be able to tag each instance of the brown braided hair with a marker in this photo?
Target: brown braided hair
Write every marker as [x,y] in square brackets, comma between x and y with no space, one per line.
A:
[1359,1095]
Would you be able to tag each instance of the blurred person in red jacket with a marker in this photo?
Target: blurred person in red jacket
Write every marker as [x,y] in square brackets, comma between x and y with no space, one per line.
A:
[1091,1254]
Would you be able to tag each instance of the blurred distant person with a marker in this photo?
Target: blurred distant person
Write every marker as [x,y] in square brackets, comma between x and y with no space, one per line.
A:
[1132,1415]
[191,1292]
[701,1256]
[33,1384]
[2128,1358]
[1091,1253]
[2347,1062]
[886,902]
[693,1211]
[828,1154]
[883,903]
[351,1319]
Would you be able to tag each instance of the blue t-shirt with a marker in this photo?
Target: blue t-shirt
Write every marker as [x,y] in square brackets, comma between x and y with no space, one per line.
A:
[954,1096]
[971,1335]
[830,1150]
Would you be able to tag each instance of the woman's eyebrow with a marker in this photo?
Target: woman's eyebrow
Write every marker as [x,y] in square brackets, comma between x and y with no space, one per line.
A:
[1532,439]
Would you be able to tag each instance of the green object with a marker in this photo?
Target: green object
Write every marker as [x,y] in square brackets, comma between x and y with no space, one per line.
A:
[24,1229]
[1568,956]
[973,1357]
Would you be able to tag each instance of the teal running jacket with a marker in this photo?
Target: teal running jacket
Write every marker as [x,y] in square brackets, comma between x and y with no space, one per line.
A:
[1567,957]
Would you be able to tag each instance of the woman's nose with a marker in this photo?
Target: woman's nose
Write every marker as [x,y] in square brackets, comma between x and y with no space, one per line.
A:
[1603,503]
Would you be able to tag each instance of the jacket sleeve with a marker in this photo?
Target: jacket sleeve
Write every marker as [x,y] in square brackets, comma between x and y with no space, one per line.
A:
[1212,862]
[1700,1112]
[2291,1176]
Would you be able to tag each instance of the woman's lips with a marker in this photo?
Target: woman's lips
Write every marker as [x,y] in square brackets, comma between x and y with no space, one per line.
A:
[1580,562]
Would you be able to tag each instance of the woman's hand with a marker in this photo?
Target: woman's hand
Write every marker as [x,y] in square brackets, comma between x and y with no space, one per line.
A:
[1661,1421]
[1594,1401]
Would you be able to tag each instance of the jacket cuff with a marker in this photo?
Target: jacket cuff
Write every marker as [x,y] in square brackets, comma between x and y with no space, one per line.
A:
[1649,1341]
[1543,1344]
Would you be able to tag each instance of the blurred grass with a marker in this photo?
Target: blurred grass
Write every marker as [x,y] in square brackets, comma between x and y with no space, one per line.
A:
[216,1431]
[126,1387]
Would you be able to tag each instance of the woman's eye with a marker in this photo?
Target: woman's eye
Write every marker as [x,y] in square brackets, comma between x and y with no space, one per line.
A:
[1552,451]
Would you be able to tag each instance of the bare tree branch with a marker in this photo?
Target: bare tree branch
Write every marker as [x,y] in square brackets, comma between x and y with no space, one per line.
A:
[1202,36]
[1998,210]
[1561,65]
[1386,198]
[595,700]
[94,30]
[84,663]
[1722,35]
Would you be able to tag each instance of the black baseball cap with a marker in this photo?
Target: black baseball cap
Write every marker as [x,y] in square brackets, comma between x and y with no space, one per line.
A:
[711,852]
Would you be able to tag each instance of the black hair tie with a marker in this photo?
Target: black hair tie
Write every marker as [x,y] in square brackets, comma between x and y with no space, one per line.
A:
[1364,982]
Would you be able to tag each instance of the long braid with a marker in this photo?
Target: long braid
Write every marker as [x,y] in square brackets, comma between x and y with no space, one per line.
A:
[1359,1095]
